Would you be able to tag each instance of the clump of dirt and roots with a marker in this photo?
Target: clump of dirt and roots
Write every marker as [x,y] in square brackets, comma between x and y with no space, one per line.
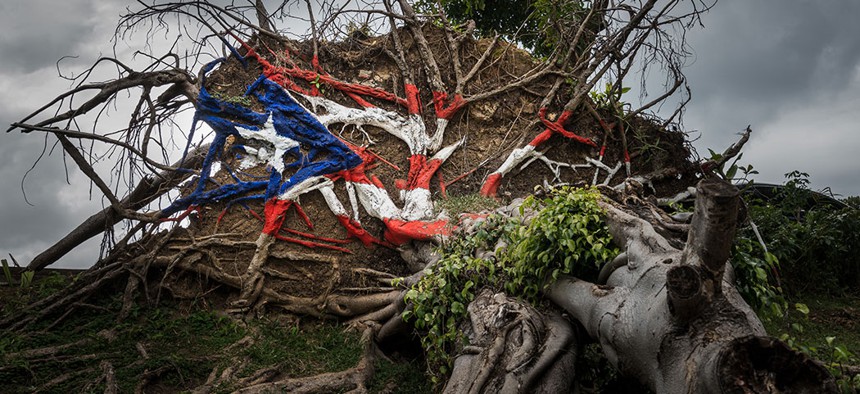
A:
[205,261]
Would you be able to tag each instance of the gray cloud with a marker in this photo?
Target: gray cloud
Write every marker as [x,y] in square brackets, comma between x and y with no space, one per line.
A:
[35,35]
[39,32]
[787,68]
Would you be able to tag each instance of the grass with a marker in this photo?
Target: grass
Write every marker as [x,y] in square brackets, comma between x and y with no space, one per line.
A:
[829,331]
[828,317]
[468,203]
[185,344]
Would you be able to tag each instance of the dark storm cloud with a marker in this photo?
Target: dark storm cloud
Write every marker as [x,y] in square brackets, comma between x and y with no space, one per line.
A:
[37,33]
[775,50]
[786,67]
[57,207]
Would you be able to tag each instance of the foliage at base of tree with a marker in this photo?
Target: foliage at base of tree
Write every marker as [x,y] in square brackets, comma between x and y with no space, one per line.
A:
[567,235]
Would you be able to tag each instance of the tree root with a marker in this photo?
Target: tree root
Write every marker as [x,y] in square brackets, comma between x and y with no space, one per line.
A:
[512,349]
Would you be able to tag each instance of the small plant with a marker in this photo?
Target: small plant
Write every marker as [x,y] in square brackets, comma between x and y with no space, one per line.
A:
[610,98]
[730,173]
[317,83]
[239,100]
[7,273]
[568,236]
[438,301]
[755,271]
[27,279]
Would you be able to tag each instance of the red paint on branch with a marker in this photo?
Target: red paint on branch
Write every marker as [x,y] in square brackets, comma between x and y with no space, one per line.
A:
[282,75]
[558,126]
[354,230]
[413,100]
[274,214]
[310,244]
[318,238]
[183,215]
[491,185]
[541,138]
[447,109]
[399,232]
[421,172]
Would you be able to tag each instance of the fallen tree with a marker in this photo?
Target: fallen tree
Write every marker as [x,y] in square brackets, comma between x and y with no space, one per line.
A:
[300,126]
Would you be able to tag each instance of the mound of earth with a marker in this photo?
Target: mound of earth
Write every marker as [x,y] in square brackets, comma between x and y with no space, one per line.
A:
[492,129]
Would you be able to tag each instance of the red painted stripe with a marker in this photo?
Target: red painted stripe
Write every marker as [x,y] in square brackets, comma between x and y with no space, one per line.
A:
[255,214]
[311,236]
[413,100]
[304,216]
[310,244]
[399,232]
[541,138]
[355,230]
[422,181]
[447,109]
[182,215]
[558,127]
[360,101]
[416,165]
[275,213]
[491,185]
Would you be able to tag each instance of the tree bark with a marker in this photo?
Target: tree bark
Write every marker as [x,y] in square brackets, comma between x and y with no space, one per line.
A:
[513,348]
[674,321]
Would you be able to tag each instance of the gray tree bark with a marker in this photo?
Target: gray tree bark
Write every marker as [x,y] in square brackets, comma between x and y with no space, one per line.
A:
[513,348]
[672,318]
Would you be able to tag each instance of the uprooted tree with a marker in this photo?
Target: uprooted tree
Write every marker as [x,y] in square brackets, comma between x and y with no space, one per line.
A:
[321,190]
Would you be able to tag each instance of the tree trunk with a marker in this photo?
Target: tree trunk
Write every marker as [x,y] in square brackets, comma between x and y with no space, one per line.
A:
[673,320]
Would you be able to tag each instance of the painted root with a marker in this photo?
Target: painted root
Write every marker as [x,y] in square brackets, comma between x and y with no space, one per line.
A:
[275,138]
[530,153]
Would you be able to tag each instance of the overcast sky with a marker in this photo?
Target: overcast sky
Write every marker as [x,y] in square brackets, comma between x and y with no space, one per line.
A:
[788,68]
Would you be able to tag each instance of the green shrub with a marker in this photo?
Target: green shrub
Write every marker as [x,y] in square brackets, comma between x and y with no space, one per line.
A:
[817,244]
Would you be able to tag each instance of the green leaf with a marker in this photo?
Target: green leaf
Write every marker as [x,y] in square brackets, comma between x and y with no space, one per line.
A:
[802,308]
[730,174]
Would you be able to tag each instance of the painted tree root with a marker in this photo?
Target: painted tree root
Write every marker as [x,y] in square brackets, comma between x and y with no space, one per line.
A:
[671,318]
